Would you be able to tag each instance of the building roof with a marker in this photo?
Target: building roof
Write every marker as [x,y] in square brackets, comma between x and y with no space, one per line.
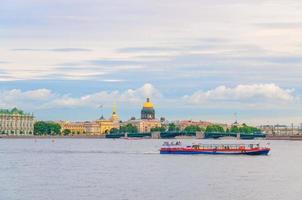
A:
[13,111]
[148,104]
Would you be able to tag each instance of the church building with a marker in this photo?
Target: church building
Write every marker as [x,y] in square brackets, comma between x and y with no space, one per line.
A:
[148,120]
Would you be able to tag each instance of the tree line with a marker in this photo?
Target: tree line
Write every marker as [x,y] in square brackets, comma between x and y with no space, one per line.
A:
[47,128]
[52,128]
[214,128]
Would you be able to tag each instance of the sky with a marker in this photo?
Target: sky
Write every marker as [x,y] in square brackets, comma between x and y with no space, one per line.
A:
[195,59]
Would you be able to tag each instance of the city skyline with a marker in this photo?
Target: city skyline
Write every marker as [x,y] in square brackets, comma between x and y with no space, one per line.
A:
[62,59]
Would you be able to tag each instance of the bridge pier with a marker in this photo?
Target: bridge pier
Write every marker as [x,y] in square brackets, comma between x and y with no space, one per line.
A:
[199,135]
[238,136]
[155,135]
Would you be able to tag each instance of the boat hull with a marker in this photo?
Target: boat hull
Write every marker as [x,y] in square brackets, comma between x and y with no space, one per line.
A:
[235,152]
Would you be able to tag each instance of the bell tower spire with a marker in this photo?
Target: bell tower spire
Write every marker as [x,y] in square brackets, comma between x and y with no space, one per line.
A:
[114,115]
[114,108]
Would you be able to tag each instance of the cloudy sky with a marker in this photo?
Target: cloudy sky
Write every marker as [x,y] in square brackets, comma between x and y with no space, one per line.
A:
[196,59]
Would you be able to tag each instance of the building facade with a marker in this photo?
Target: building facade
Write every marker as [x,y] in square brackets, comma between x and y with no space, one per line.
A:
[281,130]
[182,124]
[147,121]
[16,122]
[74,127]
[98,127]
[106,125]
[92,128]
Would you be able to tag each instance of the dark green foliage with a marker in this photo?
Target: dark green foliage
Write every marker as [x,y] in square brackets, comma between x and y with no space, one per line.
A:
[173,128]
[47,128]
[114,130]
[244,129]
[129,128]
[193,129]
[234,129]
[214,128]
[248,129]
[160,129]
[66,132]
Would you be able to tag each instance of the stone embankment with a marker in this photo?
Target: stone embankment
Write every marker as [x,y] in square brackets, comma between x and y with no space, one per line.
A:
[284,137]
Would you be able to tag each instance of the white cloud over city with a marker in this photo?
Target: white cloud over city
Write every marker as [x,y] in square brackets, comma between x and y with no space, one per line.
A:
[259,94]
[45,98]
[254,92]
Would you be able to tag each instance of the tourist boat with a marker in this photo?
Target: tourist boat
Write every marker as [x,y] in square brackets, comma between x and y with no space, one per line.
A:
[223,149]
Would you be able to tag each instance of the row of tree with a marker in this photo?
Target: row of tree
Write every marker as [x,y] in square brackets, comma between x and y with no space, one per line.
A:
[51,128]
[129,128]
[47,128]
[244,129]
[234,129]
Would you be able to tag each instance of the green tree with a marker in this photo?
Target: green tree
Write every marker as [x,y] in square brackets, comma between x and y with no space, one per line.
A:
[193,129]
[234,129]
[66,132]
[248,129]
[40,128]
[128,128]
[46,128]
[114,130]
[214,128]
[160,129]
[173,128]
[54,128]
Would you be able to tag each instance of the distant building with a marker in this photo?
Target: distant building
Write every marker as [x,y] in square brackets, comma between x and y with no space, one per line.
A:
[74,127]
[182,124]
[92,128]
[16,122]
[147,121]
[148,111]
[281,130]
[107,124]
[98,127]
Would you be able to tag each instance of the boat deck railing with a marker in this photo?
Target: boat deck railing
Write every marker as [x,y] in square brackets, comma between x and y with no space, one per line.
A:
[215,146]
[226,146]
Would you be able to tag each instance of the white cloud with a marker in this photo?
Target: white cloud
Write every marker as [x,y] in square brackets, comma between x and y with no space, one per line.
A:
[105,97]
[18,95]
[28,99]
[44,98]
[158,25]
[252,93]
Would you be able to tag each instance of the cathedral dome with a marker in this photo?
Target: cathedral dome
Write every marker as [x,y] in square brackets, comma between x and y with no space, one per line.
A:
[148,111]
[148,104]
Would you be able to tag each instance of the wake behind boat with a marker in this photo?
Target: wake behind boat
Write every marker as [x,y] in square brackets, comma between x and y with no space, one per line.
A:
[223,149]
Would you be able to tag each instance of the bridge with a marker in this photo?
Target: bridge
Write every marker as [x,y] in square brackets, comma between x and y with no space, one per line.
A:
[246,136]
[207,135]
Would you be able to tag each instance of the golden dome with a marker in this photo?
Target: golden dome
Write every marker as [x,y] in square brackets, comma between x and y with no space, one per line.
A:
[148,104]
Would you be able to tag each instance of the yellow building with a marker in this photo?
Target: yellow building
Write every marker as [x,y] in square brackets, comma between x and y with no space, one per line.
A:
[148,120]
[107,124]
[98,127]
[92,128]
[74,127]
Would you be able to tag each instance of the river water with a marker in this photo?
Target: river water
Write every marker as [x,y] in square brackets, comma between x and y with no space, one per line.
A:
[94,169]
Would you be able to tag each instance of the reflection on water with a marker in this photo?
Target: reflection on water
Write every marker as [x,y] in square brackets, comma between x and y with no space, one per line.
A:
[80,169]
